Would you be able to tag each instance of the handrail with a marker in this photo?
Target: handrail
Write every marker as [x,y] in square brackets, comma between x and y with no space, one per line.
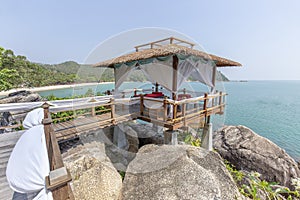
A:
[96,106]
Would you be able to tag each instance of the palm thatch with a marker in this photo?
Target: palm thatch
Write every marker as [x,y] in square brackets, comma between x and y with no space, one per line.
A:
[166,50]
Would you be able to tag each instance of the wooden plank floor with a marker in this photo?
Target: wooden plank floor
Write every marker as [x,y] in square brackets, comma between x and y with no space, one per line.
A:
[7,143]
[71,129]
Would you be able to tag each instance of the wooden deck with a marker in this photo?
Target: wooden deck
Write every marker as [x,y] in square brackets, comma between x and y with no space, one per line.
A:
[170,114]
[71,129]
[7,143]
[190,112]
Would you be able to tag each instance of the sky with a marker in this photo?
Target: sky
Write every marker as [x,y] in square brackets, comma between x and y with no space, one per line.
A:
[262,35]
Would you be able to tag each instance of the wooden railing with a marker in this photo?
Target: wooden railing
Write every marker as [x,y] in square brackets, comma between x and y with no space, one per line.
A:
[175,114]
[166,112]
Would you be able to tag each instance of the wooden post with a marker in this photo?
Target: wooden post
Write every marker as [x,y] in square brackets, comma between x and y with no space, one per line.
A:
[123,107]
[47,130]
[93,107]
[142,105]
[156,87]
[135,92]
[221,101]
[183,114]
[93,111]
[112,110]
[205,106]
[175,71]
[60,187]
[165,117]
[174,84]
[171,40]
[175,111]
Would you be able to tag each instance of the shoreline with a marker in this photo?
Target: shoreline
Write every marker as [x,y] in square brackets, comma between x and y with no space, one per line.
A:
[51,87]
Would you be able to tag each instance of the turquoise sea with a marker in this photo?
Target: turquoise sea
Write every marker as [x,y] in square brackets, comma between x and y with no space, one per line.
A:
[270,108]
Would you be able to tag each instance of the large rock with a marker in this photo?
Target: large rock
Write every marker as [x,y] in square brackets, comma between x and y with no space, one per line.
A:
[94,176]
[251,152]
[120,146]
[147,134]
[21,96]
[123,141]
[178,172]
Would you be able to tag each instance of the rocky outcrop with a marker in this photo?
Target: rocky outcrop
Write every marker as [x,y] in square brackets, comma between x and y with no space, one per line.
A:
[118,146]
[94,176]
[15,97]
[123,141]
[147,134]
[178,172]
[251,152]
[21,96]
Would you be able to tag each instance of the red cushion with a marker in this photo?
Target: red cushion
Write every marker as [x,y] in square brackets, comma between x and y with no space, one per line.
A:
[160,93]
[183,96]
[154,95]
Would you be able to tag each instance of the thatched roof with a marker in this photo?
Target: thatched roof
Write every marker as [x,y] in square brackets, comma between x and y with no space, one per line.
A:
[166,50]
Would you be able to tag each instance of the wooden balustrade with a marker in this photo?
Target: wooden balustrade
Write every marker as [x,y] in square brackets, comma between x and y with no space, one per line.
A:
[169,115]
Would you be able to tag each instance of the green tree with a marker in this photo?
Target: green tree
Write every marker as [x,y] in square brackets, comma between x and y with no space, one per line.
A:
[29,74]
[7,78]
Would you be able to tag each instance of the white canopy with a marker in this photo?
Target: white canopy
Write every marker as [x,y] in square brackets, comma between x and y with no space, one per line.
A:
[160,70]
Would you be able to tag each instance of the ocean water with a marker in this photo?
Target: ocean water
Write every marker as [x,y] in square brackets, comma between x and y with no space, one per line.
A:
[270,108]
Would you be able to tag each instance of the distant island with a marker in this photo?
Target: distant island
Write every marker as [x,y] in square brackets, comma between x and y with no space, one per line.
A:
[18,72]
[238,80]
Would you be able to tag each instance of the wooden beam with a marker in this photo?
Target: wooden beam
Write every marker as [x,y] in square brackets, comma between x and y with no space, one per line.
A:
[165,117]
[158,122]
[171,41]
[54,155]
[183,41]
[142,105]
[205,105]
[175,73]
[183,114]
[221,101]
[158,41]
[174,84]
[156,87]
[113,110]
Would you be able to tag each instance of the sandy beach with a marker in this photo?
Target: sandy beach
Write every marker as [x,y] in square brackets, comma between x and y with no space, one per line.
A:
[51,87]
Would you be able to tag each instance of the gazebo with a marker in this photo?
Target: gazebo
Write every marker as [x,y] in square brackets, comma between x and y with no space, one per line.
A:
[170,62]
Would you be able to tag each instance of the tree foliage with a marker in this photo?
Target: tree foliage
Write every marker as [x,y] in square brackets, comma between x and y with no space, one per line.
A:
[83,73]
[17,71]
[7,78]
